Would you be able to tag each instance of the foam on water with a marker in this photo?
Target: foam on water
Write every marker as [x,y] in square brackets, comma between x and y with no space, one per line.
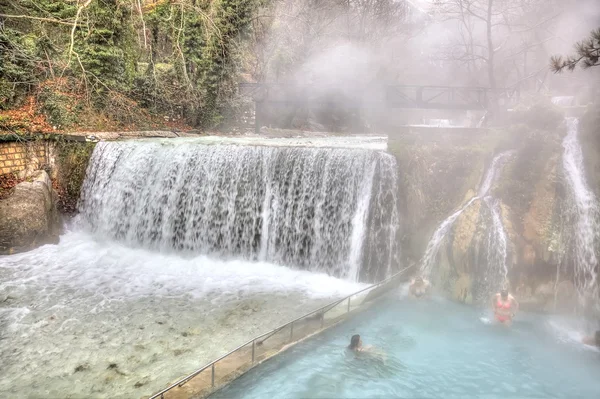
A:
[357,142]
[85,303]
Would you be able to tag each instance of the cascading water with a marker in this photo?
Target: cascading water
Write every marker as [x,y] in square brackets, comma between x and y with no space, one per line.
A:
[563,101]
[493,250]
[181,252]
[495,244]
[304,207]
[583,213]
[437,239]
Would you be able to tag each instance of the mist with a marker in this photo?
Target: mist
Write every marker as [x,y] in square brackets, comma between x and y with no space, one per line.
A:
[346,53]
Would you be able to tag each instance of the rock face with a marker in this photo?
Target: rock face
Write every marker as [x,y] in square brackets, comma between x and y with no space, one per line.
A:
[441,174]
[28,216]
[438,169]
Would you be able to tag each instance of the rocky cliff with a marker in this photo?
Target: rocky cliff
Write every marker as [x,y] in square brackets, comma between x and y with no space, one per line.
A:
[441,169]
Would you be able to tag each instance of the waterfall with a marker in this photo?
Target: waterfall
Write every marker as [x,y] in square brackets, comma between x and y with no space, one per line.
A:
[321,209]
[563,101]
[495,244]
[437,239]
[492,271]
[583,213]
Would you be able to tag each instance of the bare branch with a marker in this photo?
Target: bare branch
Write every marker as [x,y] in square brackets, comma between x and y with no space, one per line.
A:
[52,20]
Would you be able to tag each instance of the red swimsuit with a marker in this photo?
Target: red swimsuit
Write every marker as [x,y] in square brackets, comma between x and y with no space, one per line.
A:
[499,317]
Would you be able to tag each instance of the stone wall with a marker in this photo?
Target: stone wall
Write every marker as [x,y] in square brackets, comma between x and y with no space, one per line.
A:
[24,156]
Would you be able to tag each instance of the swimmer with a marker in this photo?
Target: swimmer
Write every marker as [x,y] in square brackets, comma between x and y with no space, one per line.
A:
[593,340]
[505,307]
[419,287]
[356,344]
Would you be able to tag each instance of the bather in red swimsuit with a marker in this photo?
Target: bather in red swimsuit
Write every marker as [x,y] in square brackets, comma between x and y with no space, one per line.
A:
[499,317]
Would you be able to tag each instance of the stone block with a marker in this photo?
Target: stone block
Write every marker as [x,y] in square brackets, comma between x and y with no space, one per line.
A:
[11,150]
[29,216]
[8,163]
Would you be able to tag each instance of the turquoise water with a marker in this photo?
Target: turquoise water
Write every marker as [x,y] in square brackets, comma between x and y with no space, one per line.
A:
[434,349]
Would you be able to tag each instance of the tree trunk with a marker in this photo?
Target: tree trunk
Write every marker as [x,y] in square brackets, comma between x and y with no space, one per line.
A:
[490,43]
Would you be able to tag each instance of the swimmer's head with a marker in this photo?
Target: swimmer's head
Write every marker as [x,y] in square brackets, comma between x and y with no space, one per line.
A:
[504,293]
[419,279]
[355,342]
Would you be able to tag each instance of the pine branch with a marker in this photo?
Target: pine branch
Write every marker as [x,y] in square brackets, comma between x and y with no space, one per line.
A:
[588,55]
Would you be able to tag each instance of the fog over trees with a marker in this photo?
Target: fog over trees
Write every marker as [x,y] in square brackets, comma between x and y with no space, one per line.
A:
[129,61]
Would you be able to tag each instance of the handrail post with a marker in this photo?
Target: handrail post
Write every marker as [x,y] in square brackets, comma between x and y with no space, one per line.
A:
[349,304]
[213,376]
[292,331]
[253,346]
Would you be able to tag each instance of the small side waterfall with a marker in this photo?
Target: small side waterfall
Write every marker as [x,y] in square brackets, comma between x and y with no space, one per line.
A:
[493,272]
[583,214]
[494,246]
[322,209]
[437,239]
[563,101]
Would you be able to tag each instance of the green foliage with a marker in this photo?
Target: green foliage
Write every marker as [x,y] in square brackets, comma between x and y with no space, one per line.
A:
[62,110]
[219,63]
[105,45]
[73,158]
[17,67]
[181,60]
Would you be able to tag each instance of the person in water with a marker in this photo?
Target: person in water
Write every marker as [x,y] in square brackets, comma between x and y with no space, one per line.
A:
[593,340]
[419,287]
[505,307]
[356,344]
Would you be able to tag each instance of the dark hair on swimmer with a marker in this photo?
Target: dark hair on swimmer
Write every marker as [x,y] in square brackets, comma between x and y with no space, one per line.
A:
[504,293]
[354,341]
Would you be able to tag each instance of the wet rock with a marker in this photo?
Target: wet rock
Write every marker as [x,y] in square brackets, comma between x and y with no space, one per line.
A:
[29,216]
[179,352]
[81,367]
[117,370]
[141,382]
[113,366]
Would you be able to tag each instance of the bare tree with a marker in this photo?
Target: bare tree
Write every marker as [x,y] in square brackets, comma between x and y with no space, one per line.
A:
[495,36]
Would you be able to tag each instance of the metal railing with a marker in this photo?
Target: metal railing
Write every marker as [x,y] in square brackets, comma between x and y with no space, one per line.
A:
[257,340]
